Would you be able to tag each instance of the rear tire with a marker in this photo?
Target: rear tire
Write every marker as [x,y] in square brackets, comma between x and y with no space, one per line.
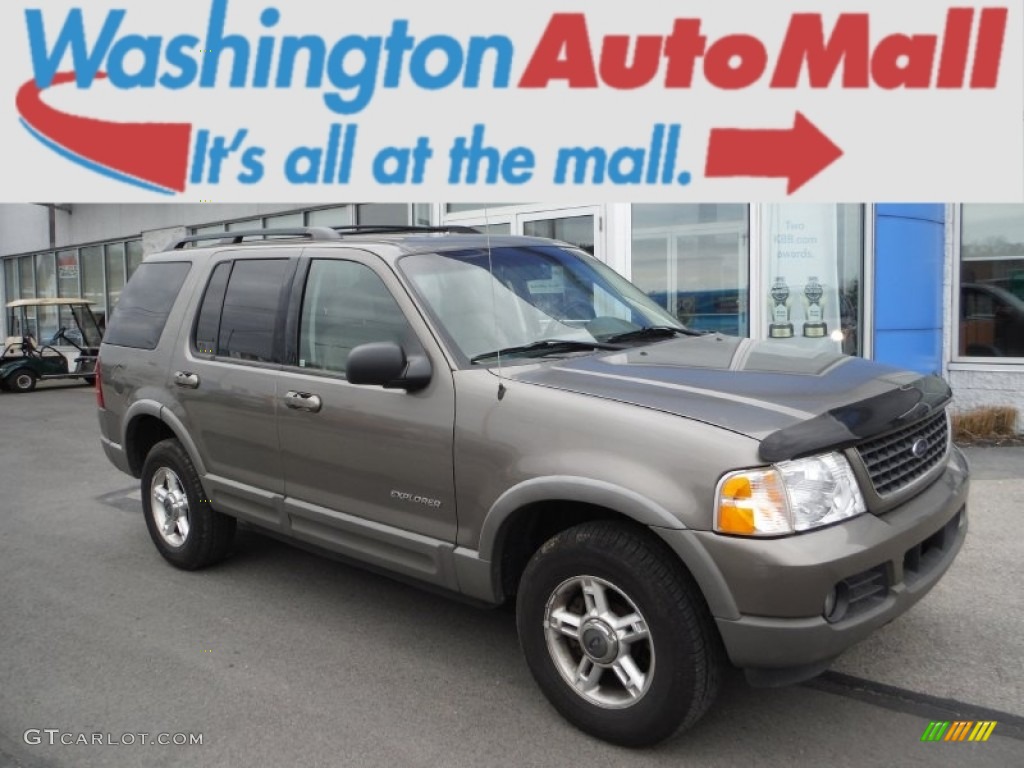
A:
[22,380]
[653,660]
[186,530]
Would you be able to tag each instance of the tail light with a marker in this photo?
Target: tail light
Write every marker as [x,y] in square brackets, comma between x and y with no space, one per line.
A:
[99,385]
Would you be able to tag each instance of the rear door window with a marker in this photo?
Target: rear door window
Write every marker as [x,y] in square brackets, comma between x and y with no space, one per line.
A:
[239,315]
[208,321]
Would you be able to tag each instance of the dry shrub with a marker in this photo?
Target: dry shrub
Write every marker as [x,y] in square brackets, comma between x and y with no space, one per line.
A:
[990,423]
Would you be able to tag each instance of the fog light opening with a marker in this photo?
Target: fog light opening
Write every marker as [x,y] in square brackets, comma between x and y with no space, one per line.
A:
[837,601]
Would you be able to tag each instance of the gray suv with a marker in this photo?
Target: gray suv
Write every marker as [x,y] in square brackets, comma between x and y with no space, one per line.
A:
[508,419]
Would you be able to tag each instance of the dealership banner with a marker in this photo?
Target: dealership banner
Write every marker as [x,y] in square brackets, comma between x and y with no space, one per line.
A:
[724,100]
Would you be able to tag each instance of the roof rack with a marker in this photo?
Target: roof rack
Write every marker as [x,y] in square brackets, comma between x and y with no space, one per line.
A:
[400,229]
[236,238]
[322,233]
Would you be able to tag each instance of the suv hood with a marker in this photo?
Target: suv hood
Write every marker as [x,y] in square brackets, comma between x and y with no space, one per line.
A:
[795,399]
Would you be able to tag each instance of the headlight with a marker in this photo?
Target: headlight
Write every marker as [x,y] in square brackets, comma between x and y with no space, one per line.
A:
[791,497]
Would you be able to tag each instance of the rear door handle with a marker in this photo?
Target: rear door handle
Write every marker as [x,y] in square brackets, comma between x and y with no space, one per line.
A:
[186,380]
[303,401]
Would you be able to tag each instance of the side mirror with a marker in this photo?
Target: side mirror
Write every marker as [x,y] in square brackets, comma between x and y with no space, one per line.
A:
[384,364]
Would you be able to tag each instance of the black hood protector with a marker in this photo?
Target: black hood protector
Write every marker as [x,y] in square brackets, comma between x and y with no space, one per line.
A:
[795,399]
[850,424]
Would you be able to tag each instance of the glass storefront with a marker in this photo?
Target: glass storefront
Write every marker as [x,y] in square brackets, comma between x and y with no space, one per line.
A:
[134,256]
[46,287]
[575,230]
[10,284]
[812,271]
[26,290]
[94,272]
[341,216]
[115,274]
[991,300]
[91,259]
[786,272]
[694,260]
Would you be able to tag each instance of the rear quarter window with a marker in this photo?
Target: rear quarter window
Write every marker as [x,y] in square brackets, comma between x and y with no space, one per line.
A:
[141,314]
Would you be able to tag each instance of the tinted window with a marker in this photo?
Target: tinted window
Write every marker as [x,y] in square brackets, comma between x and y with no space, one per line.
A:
[346,305]
[208,322]
[145,304]
[251,302]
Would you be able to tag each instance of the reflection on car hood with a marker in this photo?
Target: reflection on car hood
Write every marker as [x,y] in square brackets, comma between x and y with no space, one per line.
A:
[796,399]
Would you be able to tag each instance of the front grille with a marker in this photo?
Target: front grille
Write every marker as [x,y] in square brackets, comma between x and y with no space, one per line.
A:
[890,460]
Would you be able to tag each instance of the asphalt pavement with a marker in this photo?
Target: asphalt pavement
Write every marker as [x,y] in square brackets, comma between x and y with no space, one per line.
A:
[282,658]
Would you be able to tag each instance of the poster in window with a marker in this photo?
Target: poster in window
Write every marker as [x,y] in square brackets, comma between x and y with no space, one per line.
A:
[802,274]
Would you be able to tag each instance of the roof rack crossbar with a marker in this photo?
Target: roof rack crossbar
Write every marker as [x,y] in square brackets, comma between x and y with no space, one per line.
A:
[236,238]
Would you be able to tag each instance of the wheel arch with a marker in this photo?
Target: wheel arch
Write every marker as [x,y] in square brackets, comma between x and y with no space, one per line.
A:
[527,515]
[148,422]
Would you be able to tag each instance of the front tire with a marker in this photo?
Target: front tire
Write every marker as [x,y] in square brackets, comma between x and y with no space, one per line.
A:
[22,380]
[186,530]
[617,634]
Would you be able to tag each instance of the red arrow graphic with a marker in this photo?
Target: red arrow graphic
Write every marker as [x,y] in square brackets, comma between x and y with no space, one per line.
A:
[799,153]
[153,152]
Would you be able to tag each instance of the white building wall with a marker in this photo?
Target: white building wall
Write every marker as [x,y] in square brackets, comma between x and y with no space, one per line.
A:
[25,227]
[984,388]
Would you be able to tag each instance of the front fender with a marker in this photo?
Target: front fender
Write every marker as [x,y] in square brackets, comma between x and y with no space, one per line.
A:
[566,488]
[8,368]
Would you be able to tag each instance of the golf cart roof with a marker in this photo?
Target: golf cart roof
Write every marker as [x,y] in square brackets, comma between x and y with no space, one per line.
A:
[48,303]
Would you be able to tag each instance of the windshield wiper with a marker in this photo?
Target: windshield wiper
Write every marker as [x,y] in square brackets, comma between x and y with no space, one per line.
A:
[547,345]
[653,332]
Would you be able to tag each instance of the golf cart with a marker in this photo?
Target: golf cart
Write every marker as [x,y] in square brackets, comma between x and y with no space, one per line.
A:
[24,361]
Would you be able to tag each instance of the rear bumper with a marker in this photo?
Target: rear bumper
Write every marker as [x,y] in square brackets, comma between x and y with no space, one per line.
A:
[115,452]
[768,596]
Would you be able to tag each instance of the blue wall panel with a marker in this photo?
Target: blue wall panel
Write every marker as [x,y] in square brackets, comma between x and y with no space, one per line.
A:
[910,244]
[912,350]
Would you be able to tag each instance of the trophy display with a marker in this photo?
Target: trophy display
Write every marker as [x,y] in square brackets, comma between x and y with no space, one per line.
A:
[814,327]
[780,327]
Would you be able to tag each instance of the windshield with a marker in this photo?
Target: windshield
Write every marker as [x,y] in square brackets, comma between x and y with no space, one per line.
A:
[507,297]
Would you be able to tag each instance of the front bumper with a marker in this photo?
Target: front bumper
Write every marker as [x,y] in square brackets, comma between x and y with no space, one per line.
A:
[768,596]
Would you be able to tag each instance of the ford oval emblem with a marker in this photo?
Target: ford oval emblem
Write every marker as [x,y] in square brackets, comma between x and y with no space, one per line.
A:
[919,449]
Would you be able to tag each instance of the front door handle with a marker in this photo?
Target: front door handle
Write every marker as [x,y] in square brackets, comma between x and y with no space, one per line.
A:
[303,401]
[186,380]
